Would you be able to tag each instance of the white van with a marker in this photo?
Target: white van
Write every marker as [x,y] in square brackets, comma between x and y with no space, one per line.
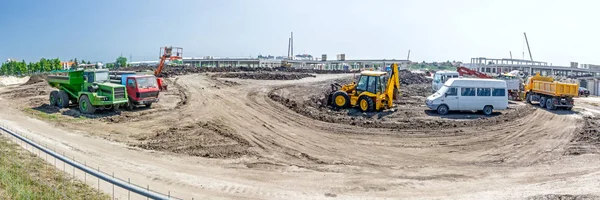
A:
[440,77]
[469,94]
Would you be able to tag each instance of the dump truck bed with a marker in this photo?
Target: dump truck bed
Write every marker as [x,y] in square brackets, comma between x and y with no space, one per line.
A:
[556,89]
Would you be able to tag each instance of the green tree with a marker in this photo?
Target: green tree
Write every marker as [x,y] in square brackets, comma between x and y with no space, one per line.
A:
[110,65]
[88,62]
[121,62]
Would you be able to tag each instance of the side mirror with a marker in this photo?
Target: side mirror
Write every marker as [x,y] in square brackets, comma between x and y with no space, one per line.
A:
[445,94]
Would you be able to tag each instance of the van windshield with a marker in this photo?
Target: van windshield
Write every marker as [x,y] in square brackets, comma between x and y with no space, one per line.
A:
[442,90]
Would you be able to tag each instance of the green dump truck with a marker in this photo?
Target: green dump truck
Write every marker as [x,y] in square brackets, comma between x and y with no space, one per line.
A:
[90,89]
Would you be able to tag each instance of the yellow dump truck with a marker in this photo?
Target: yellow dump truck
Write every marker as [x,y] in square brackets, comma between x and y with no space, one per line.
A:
[549,93]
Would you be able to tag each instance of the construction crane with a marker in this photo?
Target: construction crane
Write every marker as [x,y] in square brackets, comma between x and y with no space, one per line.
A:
[166,53]
[528,49]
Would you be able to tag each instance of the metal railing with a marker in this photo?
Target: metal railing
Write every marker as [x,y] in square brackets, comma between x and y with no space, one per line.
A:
[126,185]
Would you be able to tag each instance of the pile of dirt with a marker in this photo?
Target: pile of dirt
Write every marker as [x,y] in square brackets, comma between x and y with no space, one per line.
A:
[205,139]
[407,78]
[36,79]
[410,115]
[265,75]
[587,139]
[37,89]
[170,71]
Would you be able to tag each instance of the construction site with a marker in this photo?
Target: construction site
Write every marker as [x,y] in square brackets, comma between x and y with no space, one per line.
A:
[297,133]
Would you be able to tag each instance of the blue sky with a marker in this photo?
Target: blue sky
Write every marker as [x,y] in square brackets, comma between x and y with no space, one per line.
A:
[434,30]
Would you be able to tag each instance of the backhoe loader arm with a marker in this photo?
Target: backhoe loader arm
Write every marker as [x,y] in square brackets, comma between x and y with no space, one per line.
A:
[393,85]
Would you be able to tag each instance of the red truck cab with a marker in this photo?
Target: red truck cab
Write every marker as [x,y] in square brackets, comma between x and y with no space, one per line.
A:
[142,90]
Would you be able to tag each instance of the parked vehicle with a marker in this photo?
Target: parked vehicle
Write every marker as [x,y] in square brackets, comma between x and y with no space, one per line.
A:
[440,77]
[459,94]
[141,89]
[584,92]
[549,93]
[90,89]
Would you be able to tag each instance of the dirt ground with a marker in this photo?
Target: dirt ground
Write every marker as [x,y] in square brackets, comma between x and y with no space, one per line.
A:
[271,139]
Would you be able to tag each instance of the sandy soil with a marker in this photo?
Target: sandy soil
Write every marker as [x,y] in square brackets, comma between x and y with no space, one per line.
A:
[229,138]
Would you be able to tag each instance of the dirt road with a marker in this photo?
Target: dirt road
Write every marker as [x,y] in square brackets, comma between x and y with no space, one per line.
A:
[228,139]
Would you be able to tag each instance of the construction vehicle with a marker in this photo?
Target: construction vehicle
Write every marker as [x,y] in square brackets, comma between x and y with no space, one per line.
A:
[90,89]
[166,53]
[373,92]
[141,89]
[549,93]
[513,83]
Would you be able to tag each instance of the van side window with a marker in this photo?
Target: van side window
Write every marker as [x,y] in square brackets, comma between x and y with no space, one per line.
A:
[451,92]
[484,92]
[499,92]
[467,92]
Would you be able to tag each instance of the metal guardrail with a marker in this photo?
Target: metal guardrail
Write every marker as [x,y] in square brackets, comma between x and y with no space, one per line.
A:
[127,186]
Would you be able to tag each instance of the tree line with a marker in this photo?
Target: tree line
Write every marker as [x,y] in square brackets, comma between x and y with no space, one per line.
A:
[16,68]
[21,68]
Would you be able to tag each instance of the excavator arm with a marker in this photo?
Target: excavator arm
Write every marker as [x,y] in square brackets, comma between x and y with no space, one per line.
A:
[393,85]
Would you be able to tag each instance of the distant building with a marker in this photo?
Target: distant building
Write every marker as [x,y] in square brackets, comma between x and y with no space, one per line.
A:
[589,66]
[66,65]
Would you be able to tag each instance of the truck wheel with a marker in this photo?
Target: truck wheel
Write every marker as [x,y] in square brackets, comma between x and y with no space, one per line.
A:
[116,107]
[129,106]
[487,110]
[442,110]
[550,103]
[62,99]
[366,104]
[542,102]
[528,98]
[85,106]
[148,105]
[53,97]
[340,99]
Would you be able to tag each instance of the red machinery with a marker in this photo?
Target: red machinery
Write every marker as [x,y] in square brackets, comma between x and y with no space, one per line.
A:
[513,84]
[463,71]
[166,53]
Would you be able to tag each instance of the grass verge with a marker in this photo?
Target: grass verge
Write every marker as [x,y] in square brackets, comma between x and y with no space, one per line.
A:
[25,176]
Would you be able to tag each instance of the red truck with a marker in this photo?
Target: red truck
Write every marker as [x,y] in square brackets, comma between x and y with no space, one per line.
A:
[141,89]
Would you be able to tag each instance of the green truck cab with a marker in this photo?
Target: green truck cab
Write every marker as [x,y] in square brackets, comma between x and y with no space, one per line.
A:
[90,89]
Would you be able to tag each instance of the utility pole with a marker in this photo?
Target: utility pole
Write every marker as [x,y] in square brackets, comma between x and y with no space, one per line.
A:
[292,45]
[408,57]
[510,54]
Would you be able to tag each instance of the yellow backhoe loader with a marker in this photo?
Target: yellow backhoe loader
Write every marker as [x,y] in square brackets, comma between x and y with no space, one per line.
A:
[374,91]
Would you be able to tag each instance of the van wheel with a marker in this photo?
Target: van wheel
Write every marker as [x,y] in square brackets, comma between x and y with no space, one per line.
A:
[543,102]
[442,110]
[487,110]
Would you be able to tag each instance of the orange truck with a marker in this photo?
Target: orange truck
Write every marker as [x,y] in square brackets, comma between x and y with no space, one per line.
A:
[549,93]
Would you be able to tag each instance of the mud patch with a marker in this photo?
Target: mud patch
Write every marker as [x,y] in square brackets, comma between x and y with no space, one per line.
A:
[265,76]
[587,139]
[38,89]
[408,78]
[205,139]
[563,197]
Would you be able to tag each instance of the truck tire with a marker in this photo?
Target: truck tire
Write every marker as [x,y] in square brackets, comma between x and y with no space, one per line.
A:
[488,110]
[53,97]
[62,99]
[129,106]
[550,104]
[340,99]
[85,106]
[569,108]
[442,110]
[543,102]
[528,98]
[148,105]
[366,104]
